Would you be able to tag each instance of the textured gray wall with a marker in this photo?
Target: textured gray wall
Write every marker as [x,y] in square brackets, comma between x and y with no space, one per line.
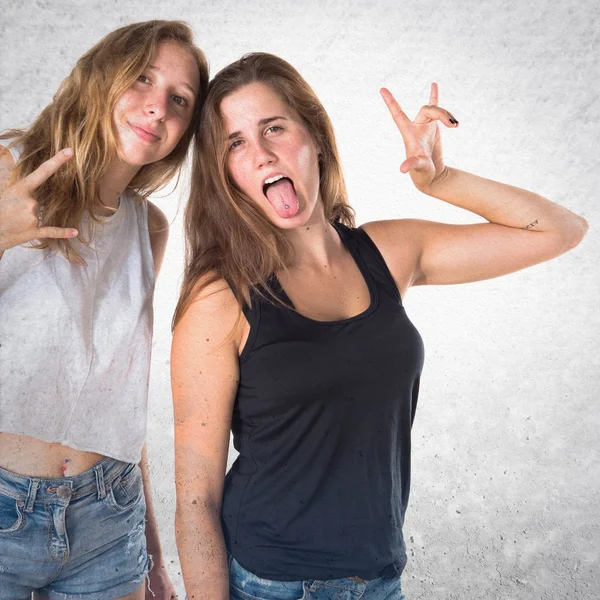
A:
[505,500]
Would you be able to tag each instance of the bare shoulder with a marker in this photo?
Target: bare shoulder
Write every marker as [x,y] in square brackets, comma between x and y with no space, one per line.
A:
[211,316]
[394,230]
[158,224]
[158,227]
[157,220]
[204,360]
[210,294]
[400,243]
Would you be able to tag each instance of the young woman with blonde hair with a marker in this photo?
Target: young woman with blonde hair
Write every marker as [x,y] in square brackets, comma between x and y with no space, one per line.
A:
[290,331]
[80,248]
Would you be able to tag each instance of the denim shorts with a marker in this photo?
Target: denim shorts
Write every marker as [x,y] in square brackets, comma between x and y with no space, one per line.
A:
[74,537]
[244,585]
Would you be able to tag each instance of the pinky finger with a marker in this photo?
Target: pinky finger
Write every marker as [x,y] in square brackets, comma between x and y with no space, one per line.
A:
[434,94]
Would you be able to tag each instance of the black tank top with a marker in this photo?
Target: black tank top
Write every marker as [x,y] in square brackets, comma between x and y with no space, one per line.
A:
[322,423]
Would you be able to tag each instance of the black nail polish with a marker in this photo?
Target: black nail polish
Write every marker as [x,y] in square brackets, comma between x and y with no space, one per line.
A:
[453,121]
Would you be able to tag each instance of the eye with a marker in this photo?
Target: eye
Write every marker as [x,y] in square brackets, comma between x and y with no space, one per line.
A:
[273,129]
[235,144]
[180,100]
[144,79]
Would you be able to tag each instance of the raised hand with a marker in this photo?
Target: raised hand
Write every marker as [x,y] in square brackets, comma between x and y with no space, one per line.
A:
[421,137]
[19,211]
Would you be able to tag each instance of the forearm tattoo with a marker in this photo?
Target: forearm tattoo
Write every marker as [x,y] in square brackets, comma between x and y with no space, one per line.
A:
[531,225]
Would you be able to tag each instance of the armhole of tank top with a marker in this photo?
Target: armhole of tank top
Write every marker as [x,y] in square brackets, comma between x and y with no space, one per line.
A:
[252,315]
[364,236]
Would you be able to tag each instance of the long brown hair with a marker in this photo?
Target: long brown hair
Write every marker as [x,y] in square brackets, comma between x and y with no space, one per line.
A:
[80,117]
[227,236]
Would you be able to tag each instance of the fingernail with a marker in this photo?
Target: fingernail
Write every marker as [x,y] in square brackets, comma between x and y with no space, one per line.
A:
[73,232]
[67,152]
[453,121]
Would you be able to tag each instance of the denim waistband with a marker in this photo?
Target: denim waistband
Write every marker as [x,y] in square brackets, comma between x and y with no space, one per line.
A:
[28,490]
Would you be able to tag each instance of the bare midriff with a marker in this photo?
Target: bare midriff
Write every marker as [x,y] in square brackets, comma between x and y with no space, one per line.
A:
[32,457]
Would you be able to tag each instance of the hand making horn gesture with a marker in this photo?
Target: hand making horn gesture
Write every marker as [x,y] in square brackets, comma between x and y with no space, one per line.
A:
[19,211]
[422,140]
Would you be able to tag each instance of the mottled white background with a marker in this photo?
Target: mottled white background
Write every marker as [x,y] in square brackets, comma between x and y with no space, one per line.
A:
[505,499]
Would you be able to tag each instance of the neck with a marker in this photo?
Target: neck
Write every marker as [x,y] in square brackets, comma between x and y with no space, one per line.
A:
[316,244]
[112,185]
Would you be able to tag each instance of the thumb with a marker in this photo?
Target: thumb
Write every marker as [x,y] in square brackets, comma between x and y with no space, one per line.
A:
[414,163]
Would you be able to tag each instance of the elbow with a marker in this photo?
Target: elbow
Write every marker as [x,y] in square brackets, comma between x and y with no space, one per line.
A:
[193,506]
[575,233]
[569,234]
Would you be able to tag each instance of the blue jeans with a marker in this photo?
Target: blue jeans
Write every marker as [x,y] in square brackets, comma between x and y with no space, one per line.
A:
[74,537]
[244,585]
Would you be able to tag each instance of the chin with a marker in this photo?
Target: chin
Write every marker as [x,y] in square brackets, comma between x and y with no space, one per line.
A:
[138,159]
[137,154]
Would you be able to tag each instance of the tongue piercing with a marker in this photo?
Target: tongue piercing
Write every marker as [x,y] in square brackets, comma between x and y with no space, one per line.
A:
[287,205]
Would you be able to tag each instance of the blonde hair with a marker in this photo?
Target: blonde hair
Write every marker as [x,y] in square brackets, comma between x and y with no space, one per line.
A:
[227,236]
[80,117]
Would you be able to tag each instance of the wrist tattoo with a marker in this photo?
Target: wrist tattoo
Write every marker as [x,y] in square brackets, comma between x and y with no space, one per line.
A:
[531,225]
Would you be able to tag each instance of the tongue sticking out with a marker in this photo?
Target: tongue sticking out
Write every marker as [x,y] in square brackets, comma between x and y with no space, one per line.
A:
[283,199]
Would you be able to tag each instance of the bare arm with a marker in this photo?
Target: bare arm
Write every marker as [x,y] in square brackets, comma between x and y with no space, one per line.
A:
[205,372]
[523,229]
[446,254]
[158,226]
[152,537]
[160,583]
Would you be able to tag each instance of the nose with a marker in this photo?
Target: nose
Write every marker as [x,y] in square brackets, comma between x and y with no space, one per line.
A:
[263,154]
[156,106]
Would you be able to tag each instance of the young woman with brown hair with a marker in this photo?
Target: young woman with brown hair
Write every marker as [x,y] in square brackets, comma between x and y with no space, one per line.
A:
[80,248]
[290,330]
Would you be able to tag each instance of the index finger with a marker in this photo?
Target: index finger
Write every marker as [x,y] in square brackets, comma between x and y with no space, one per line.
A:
[48,168]
[397,113]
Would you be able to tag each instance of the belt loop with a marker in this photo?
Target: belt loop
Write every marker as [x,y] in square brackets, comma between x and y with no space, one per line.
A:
[100,481]
[34,484]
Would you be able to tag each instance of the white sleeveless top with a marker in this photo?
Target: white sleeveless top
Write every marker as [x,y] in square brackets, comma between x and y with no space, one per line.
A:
[75,341]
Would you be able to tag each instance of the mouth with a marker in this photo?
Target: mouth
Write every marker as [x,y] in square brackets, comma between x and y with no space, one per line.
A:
[281,194]
[273,180]
[144,134]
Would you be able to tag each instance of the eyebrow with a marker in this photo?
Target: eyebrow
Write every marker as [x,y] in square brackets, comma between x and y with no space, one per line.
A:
[184,84]
[261,123]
